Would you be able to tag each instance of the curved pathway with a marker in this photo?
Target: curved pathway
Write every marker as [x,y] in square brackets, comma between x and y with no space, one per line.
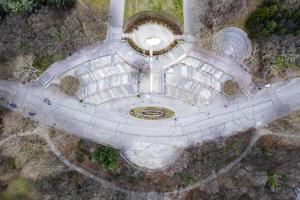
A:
[224,170]
[94,123]
[44,133]
[8,138]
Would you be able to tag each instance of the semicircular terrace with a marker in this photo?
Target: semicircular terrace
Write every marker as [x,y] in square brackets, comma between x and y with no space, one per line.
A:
[114,79]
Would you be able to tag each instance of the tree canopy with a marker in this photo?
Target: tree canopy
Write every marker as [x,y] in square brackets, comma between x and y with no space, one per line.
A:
[273,18]
[29,6]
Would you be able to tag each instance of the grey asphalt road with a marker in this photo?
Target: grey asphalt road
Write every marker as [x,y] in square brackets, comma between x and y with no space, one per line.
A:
[94,123]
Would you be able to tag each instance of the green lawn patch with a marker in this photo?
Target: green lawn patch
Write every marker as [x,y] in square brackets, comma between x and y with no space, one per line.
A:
[19,188]
[174,8]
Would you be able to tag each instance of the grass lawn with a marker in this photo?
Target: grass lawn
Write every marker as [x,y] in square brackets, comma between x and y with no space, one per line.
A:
[97,5]
[173,8]
[19,188]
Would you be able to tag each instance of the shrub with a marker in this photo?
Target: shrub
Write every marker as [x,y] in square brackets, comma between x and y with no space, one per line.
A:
[186,178]
[9,164]
[62,4]
[273,181]
[29,6]
[69,85]
[18,189]
[15,6]
[2,12]
[106,157]
[80,156]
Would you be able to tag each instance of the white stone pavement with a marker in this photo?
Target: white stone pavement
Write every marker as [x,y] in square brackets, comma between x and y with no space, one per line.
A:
[111,85]
[138,137]
[116,19]
[191,22]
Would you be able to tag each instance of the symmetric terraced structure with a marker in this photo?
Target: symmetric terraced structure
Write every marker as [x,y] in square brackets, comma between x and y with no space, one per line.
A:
[152,92]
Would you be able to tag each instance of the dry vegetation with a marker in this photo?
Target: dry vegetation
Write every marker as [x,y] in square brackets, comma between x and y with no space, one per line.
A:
[69,85]
[49,35]
[287,125]
[196,163]
[13,123]
[230,88]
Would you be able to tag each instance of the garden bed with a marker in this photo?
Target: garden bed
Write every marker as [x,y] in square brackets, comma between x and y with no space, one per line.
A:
[151,113]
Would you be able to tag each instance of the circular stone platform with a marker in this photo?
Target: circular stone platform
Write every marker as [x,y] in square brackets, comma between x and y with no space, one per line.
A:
[233,42]
[152,36]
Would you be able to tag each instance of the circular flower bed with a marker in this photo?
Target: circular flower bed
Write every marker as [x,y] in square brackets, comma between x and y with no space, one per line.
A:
[69,85]
[151,113]
[231,88]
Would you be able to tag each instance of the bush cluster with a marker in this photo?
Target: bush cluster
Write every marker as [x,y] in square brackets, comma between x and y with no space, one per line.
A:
[273,18]
[2,13]
[62,4]
[29,6]
[106,157]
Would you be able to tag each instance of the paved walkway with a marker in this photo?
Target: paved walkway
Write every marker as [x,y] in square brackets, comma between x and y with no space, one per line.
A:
[116,19]
[108,121]
[229,67]
[101,125]
[191,22]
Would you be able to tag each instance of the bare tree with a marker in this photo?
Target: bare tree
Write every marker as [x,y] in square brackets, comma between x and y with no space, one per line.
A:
[219,5]
[24,68]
